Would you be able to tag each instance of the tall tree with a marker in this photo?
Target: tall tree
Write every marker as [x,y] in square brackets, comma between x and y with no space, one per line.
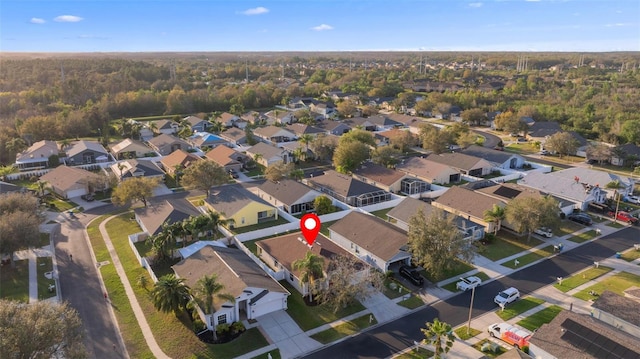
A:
[170,294]
[350,155]
[562,143]
[530,213]
[358,135]
[323,146]
[509,122]
[306,140]
[207,289]
[19,222]
[436,243]
[599,152]
[165,241]
[203,175]
[433,139]
[134,189]
[40,330]
[312,269]
[323,205]
[473,117]
[440,335]
[386,156]
[496,215]
[278,171]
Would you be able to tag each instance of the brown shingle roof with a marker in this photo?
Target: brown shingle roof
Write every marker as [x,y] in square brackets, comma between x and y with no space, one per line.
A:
[380,174]
[178,157]
[233,134]
[467,201]
[456,160]
[372,234]
[155,214]
[408,208]
[222,155]
[424,168]
[65,178]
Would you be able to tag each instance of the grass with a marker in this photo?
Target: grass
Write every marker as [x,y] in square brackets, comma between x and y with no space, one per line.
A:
[394,293]
[44,239]
[530,257]
[518,307]
[257,171]
[251,340]
[59,204]
[255,227]
[275,354]
[584,236]
[616,283]
[14,282]
[145,248]
[451,287]
[568,227]
[382,213]
[344,329]
[324,228]
[412,303]
[631,255]
[582,278]
[456,270]
[44,264]
[461,332]
[419,353]
[499,349]
[309,317]
[196,200]
[507,244]
[535,320]
[615,225]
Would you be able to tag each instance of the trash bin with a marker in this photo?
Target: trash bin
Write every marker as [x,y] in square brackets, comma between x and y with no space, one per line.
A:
[618,255]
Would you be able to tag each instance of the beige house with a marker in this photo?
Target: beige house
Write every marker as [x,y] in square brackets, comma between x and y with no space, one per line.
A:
[382,177]
[429,171]
[69,182]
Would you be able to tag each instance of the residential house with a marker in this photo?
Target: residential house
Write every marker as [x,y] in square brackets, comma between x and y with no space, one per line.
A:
[255,293]
[386,137]
[619,311]
[299,129]
[625,154]
[267,155]
[336,128]
[428,171]
[197,124]
[70,182]
[566,189]
[510,191]
[227,119]
[347,189]
[155,214]
[540,131]
[382,177]
[280,116]
[374,123]
[85,152]
[602,179]
[298,151]
[167,127]
[360,122]
[301,103]
[325,109]
[274,134]
[178,161]
[281,252]
[500,159]
[129,148]
[574,335]
[292,196]
[165,144]
[465,164]
[470,205]
[405,120]
[241,207]
[228,158]
[6,187]
[205,140]
[234,136]
[36,156]
[136,168]
[401,214]
[374,241]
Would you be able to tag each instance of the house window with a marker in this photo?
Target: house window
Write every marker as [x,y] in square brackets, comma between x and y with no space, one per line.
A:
[275,263]
[222,319]
[290,277]
[242,220]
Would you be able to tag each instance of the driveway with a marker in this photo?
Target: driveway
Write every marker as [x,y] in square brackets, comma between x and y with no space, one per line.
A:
[286,334]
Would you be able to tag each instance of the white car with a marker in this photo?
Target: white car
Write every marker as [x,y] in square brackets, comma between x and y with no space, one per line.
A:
[507,296]
[633,199]
[468,283]
[544,231]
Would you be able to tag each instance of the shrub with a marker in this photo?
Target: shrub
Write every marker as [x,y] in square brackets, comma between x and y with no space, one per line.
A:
[222,328]
[198,326]
[237,327]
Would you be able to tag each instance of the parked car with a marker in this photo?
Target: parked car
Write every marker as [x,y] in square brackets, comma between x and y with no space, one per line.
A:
[633,199]
[507,296]
[87,197]
[624,216]
[581,218]
[522,139]
[468,283]
[412,275]
[233,174]
[515,336]
[543,152]
[544,232]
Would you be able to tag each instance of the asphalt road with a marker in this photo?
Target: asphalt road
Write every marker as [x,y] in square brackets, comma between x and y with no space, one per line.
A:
[392,337]
[490,141]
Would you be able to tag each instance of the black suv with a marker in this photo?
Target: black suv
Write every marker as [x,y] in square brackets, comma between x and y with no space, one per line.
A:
[412,275]
[581,218]
[87,197]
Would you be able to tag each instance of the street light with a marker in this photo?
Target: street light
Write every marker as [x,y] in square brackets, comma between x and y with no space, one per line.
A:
[473,293]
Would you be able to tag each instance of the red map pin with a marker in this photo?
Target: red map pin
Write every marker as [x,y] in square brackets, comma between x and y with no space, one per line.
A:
[310,226]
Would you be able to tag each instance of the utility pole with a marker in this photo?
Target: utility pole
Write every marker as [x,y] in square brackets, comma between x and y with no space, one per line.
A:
[473,293]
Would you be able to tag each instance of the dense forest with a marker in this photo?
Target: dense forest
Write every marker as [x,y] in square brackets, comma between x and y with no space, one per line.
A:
[67,96]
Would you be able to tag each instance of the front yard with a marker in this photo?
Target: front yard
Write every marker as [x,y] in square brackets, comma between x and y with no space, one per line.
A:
[535,320]
[14,282]
[456,270]
[631,255]
[518,307]
[529,257]
[44,265]
[582,278]
[507,244]
[345,329]
[412,302]
[393,289]
[584,236]
[616,283]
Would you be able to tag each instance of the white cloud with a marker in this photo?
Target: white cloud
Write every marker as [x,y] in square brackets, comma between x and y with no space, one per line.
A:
[322,27]
[37,20]
[475,4]
[68,18]
[255,11]
[620,24]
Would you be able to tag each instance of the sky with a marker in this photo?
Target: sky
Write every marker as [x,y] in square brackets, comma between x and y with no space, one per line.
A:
[319,25]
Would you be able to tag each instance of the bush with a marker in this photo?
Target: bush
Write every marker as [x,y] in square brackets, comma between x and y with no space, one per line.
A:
[237,327]
[198,326]
[222,329]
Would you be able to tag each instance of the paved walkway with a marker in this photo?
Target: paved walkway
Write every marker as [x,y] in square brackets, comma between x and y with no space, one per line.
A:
[383,308]
[283,331]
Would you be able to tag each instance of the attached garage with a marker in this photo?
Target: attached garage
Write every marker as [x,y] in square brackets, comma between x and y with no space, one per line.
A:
[269,303]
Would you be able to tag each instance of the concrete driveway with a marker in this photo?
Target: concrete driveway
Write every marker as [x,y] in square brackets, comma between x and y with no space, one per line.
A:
[286,334]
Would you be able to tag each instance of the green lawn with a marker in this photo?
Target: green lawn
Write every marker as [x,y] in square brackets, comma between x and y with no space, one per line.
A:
[518,307]
[382,213]
[535,320]
[309,317]
[44,264]
[145,248]
[616,283]
[568,227]
[499,349]
[258,171]
[412,303]
[456,270]
[44,239]
[582,278]
[344,329]
[615,225]
[465,332]
[584,236]
[530,257]
[631,255]
[507,244]
[58,204]
[275,354]
[451,287]
[324,228]
[420,353]
[196,200]
[251,340]
[14,282]
[394,293]
[255,227]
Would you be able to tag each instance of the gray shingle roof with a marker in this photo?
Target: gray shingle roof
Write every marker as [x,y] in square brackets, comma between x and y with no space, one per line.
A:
[266,150]
[408,208]
[592,177]
[555,185]
[488,154]
[229,199]
[286,190]
[342,184]
[155,214]
[81,146]
[379,174]
[456,160]
[544,129]
[467,202]
[624,308]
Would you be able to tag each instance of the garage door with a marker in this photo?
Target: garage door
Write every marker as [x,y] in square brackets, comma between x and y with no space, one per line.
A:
[266,305]
[76,193]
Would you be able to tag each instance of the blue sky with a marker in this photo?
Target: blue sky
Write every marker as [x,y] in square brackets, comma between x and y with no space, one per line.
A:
[319,25]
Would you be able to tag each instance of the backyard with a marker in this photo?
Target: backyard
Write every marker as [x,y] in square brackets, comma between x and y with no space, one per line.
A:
[263,225]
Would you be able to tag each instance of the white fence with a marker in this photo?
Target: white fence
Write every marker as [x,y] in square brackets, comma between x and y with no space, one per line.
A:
[382,205]
[133,238]
[259,262]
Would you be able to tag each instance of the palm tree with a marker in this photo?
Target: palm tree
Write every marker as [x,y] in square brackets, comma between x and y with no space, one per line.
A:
[209,288]
[164,241]
[311,267]
[42,185]
[64,144]
[306,139]
[170,294]
[496,215]
[214,219]
[257,157]
[439,335]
